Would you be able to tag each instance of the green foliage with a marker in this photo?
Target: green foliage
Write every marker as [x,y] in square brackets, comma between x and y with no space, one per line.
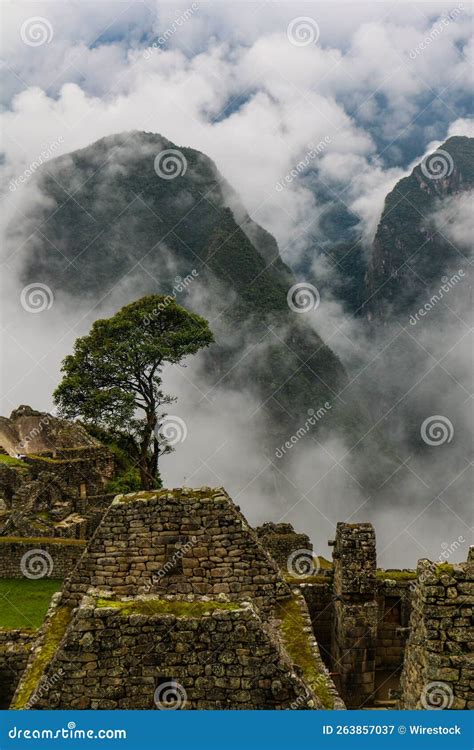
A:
[127,477]
[126,481]
[24,602]
[114,374]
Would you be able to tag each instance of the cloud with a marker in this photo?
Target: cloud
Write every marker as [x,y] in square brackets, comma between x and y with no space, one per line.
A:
[230,83]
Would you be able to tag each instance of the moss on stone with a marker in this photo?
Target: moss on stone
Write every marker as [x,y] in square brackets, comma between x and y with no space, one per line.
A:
[43,540]
[298,646]
[444,569]
[11,462]
[56,629]
[177,608]
[297,581]
[177,494]
[396,575]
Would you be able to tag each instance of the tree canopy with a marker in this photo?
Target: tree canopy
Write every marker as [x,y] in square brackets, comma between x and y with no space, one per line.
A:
[113,378]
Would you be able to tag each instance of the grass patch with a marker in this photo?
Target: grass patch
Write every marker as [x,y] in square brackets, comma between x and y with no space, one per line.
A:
[24,602]
[11,461]
[42,540]
[166,607]
[299,649]
[396,575]
[56,629]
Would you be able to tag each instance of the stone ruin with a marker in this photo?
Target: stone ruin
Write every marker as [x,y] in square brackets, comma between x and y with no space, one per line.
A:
[175,594]
[174,599]
[54,479]
[438,669]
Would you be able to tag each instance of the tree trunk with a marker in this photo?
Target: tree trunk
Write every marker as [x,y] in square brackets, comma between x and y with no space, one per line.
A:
[146,465]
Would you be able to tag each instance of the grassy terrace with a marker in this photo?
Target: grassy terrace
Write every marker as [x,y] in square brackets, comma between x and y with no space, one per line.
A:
[166,607]
[298,646]
[24,602]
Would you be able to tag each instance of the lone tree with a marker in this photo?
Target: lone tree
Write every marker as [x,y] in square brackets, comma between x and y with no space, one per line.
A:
[113,378]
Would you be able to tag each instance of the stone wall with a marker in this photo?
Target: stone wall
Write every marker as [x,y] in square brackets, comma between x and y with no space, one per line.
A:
[10,481]
[355,613]
[438,669]
[394,608]
[319,600]
[280,539]
[15,647]
[136,654]
[55,558]
[178,542]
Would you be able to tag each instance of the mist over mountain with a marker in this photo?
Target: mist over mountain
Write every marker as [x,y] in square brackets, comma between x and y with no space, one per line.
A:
[107,214]
[412,249]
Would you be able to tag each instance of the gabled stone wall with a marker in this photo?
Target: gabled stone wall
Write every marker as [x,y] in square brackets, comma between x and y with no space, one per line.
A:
[178,542]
